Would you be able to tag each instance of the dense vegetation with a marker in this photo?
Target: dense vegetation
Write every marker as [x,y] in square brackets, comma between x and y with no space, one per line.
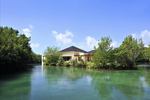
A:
[15,48]
[123,57]
[52,56]
[146,54]
[126,56]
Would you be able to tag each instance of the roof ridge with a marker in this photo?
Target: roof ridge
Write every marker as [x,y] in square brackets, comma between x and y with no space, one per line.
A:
[73,48]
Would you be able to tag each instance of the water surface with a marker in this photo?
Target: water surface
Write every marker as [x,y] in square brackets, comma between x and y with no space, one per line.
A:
[56,83]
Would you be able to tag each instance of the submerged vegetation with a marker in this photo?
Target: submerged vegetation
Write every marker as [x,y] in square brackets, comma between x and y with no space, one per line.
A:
[15,49]
[126,56]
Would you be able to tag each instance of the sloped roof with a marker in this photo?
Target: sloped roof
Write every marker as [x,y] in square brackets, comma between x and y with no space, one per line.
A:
[92,51]
[73,48]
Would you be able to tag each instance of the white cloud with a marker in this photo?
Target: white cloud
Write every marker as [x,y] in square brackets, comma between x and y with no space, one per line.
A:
[134,35]
[34,45]
[63,38]
[54,32]
[115,44]
[91,42]
[27,32]
[145,35]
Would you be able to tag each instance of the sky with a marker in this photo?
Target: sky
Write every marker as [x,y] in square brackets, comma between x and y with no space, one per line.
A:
[82,23]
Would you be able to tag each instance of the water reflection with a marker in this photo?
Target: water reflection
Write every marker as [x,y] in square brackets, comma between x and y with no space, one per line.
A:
[61,84]
[16,86]
[122,85]
[57,83]
[108,85]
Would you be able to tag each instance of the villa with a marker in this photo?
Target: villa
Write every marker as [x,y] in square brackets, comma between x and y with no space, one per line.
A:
[74,53]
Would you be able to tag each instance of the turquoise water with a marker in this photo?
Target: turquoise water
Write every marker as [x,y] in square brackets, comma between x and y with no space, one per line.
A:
[56,83]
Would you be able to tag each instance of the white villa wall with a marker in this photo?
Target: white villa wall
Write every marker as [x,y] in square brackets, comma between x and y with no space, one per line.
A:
[73,53]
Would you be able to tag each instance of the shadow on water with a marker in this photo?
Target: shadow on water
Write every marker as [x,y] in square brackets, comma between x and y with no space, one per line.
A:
[13,72]
[16,84]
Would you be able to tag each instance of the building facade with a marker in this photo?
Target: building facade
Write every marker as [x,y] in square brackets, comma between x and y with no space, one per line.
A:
[74,53]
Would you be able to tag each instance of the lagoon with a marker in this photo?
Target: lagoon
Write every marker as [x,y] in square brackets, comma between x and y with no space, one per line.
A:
[57,83]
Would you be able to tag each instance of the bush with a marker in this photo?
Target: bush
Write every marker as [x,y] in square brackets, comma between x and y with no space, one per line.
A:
[74,63]
[52,56]
[67,64]
[90,65]
[80,64]
[103,53]
[60,62]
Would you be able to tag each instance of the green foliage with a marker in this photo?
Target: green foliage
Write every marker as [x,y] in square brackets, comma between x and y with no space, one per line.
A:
[52,56]
[67,63]
[129,51]
[147,53]
[60,62]
[123,57]
[104,53]
[75,63]
[90,65]
[14,47]
[80,64]
[35,58]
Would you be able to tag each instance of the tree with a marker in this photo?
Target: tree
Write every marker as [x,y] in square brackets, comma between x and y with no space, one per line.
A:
[14,48]
[36,58]
[102,56]
[52,56]
[124,57]
[129,51]
[147,53]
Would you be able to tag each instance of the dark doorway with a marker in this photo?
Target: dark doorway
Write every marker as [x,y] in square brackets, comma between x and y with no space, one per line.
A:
[67,58]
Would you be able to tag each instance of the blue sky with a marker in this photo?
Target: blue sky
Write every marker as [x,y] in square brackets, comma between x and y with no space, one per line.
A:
[82,23]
